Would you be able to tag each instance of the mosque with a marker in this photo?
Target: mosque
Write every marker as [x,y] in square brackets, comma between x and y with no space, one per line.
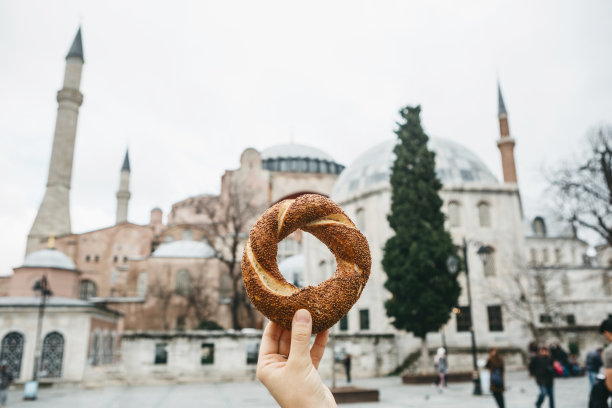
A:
[176,277]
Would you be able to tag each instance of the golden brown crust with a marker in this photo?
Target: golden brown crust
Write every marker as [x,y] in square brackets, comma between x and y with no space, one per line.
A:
[328,301]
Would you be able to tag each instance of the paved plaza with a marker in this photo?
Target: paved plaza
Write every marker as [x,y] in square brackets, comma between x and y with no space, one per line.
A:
[570,393]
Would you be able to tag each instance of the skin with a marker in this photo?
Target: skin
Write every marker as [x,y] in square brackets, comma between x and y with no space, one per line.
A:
[287,365]
[608,337]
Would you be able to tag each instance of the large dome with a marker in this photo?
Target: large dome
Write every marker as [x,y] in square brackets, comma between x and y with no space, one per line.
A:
[184,249]
[299,158]
[48,258]
[371,171]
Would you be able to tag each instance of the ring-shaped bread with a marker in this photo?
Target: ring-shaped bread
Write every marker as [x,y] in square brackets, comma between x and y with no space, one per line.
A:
[328,301]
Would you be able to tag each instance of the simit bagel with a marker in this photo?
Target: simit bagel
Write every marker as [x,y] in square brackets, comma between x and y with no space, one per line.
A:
[328,301]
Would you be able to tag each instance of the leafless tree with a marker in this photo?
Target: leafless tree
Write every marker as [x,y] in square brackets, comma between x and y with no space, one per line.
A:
[583,189]
[162,293]
[527,291]
[230,220]
[198,299]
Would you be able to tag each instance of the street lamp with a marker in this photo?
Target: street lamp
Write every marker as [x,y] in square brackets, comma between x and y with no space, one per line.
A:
[31,387]
[453,265]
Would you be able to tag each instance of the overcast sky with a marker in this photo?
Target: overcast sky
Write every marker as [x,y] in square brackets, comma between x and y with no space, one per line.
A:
[189,85]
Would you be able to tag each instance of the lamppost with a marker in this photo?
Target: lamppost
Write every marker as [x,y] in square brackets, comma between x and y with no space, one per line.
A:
[484,252]
[31,387]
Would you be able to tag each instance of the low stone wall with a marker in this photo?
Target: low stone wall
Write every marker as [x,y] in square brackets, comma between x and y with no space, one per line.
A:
[210,356]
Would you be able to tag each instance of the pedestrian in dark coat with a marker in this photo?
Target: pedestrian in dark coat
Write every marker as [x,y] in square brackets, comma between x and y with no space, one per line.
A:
[347,367]
[541,367]
[495,365]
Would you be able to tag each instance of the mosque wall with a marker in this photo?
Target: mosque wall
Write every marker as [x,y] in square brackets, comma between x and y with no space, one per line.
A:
[64,283]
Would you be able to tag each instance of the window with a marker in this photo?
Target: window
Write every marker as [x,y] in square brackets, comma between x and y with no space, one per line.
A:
[360,219]
[161,353]
[180,323]
[463,319]
[12,352]
[115,258]
[545,258]
[533,256]
[87,258]
[252,353]
[571,319]
[52,355]
[558,256]
[107,349]
[565,285]
[182,282]
[187,235]
[496,322]
[94,351]
[484,215]
[489,265]
[607,282]
[539,228]
[453,214]
[364,319]
[141,286]
[125,259]
[97,258]
[545,318]
[344,323]
[207,355]
[87,289]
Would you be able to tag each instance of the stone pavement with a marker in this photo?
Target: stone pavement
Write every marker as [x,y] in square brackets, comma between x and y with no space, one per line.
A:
[569,393]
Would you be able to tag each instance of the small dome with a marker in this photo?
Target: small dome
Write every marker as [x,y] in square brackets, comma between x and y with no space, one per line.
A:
[292,268]
[455,164]
[299,158]
[184,249]
[48,258]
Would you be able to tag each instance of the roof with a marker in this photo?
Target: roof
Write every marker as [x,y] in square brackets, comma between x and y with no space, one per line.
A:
[126,162]
[371,171]
[293,150]
[48,258]
[184,249]
[76,49]
[501,105]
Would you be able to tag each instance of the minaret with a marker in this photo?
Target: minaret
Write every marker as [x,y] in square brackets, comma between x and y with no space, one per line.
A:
[123,195]
[54,213]
[505,142]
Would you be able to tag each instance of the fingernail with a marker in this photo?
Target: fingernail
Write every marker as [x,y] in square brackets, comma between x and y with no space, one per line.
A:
[302,316]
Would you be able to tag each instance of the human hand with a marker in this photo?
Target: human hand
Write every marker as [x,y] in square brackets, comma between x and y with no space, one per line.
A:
[288,367]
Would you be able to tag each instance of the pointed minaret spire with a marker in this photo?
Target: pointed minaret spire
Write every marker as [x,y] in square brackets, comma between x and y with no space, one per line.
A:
[76,49]
[126,162]
[501,105]
[53,215]
[123,195]
[505,142]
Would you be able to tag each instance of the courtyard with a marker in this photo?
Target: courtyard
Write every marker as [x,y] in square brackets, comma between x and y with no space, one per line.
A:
[571,392]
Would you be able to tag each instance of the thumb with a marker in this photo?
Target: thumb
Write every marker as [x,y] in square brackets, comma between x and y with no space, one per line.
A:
[301,329]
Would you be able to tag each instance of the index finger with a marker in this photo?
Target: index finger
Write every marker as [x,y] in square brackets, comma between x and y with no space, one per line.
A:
[270,339]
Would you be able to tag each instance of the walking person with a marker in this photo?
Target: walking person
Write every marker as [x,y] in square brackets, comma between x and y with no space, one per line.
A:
[495,365]
[541,367]
[593,364]
[602,389]
[442,366]
[5,380]
[347,367]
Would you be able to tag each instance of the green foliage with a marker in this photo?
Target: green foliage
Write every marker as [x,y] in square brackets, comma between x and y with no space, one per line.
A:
[423,291]
[209,325]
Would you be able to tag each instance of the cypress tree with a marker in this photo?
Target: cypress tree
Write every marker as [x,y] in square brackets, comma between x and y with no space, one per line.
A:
[423,291]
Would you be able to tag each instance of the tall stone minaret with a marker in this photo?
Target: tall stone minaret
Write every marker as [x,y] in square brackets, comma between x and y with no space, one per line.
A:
[505,142]
[53,216]
[123,195]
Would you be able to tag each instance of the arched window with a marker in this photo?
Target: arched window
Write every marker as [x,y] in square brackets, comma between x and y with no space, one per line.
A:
[182,282]
[107,348]
[87,289]
[360,219]
[141,285]
[187,235]
[484,214]
[453,214]
[12,352]
[539,227]
[489,265]
[52,355]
